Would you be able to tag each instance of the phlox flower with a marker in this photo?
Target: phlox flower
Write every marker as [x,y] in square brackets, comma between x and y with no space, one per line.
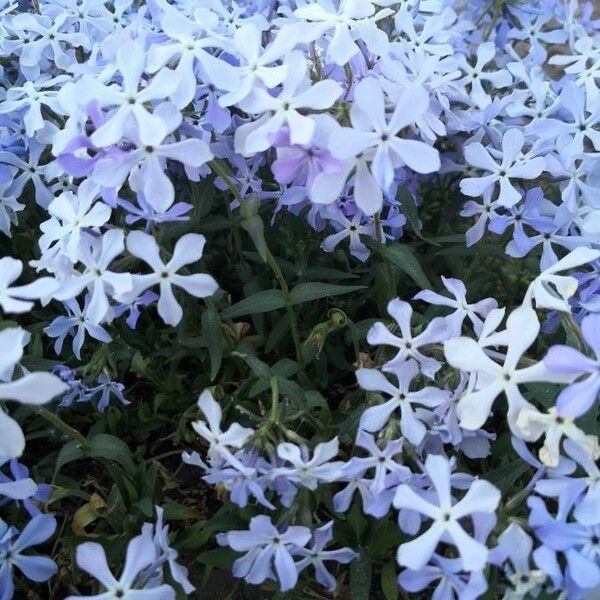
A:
[220,442]
[309,472]
[145,166]
[462,308]
[73,216]
[188,249]
[97,276]
[352,229]
[13,543]
[268,551]
[256,68]
[476,75]
[375,418]
[76,323]
[578,541]
[29,169]
[513,165]
[315,555]
[377,137]
[353,19]
[383,460]
[17,298]
[514,551]
[296,93]
[552,291]
[132,584]
[31,388]
[30,98]
[492,378]
[481,498]
[453,582]
[129,99]
[578,398]
[18,486]
[409,345]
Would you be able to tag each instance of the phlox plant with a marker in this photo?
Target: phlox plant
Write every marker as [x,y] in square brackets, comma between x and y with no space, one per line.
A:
[299,299]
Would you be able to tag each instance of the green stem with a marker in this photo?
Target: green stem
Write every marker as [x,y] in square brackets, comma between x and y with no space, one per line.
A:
[389,273]
[57,422]
[274,414]
[290,309]
[221,172]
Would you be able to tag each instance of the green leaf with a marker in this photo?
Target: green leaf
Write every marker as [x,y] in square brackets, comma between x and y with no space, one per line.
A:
[211,332]
[101,445]
[108,446]
[255,227]
[389,582]
[220,557]
[327,273]
[505,476]
[68,453]
[259,368]
[410,211]
[261,302]
[361,572]
[404,258]
[278,332]
[313,290]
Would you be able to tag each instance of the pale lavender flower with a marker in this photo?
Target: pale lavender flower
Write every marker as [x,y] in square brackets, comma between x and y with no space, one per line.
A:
[188,249]
[453,582]
[382,460]
[309,472]
[577,398]
[133,307]
[462,309]
[132,584]
[446,513]
[13,543]
[17,298]
[21,488]
[77,324]
[268,551]
[375,418]
[297,94]
[315,555]
[409,346]
[97,276]
[513,165]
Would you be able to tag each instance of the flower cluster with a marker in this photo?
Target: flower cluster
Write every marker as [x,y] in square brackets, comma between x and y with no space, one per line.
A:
[143,143]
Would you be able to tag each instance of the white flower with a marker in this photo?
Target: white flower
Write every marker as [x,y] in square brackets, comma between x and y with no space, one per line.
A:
[482,497]
[375,136]
[220,441]
[33,388]
[408,345]
[552,291]
[353,19]
[16,299]
[297,93]
[70,216]
[554,427]
[97,277]
[309,471]
[493,379]
[253,70]
[188,249]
